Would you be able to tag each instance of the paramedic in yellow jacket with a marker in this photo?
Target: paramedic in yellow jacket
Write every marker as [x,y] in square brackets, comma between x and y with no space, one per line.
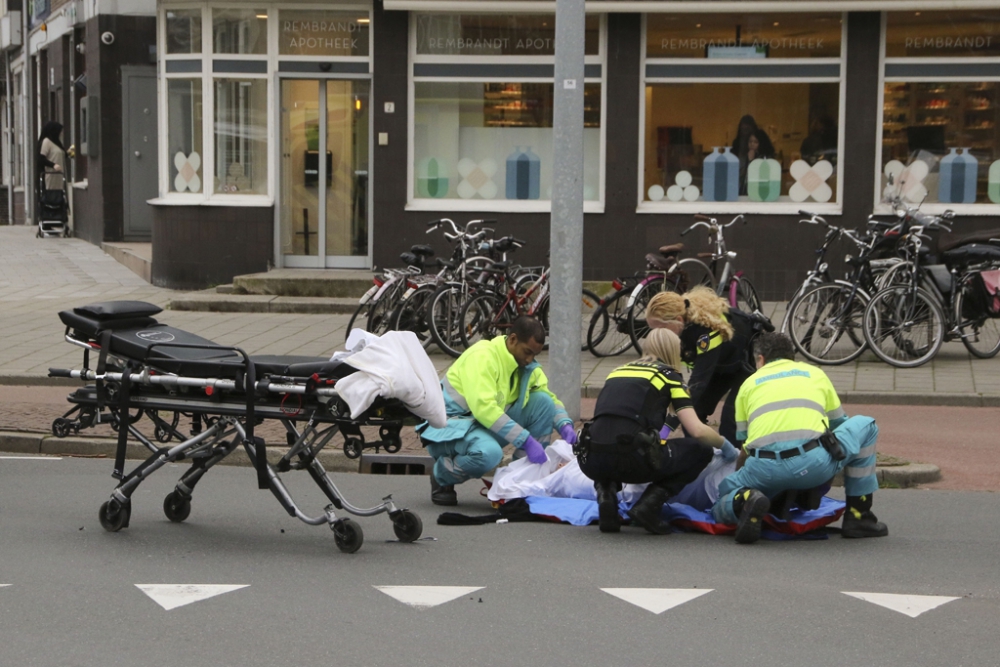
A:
[495,394]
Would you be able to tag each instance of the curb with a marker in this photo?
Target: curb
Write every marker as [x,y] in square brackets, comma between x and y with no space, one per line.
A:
[591,391]
[20,442]
[263,303]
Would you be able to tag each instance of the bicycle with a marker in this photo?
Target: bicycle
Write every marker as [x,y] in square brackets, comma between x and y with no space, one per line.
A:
[690,272]
[824,320]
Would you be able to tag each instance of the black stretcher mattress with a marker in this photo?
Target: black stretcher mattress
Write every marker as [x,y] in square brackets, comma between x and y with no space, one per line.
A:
[135,335]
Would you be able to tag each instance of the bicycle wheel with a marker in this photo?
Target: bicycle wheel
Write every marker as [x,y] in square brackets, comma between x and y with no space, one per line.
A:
[825,324]
[382,313]
[980,332]
[359,320]
[443,316]
[904,326]
[411,315]
[607,333]
[589,303]
[637,325]
[481,319]
[691,273]
[743,295]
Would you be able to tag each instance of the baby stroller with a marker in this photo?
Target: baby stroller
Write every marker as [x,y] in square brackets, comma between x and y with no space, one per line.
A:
[53,205]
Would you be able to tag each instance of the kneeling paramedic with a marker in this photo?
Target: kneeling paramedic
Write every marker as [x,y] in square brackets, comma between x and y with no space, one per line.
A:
[787,412]
[495,394]
[623,444]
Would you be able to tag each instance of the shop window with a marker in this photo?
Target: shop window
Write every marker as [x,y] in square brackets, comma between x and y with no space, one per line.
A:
[493,141]
[185,154]
[496,34]
[183,31]
[746,36]
[303,32]
[756,142]
[241,136]
[241,31]
[940,142]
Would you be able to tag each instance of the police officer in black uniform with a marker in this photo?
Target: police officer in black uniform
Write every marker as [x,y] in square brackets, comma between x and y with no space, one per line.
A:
[715,343]
[623,444]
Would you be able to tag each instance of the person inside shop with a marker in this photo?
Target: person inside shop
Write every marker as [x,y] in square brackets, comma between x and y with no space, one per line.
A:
[51,155]
[627,440]
[495,394]
[821,142]
[751,142]
[797,436]
[714,342]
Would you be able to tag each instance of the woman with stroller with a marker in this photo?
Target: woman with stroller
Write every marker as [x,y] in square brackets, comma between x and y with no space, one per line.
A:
[51,156]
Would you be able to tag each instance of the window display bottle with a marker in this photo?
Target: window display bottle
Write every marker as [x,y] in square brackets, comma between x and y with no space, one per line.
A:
[721,175]
[524,171]
[957,177]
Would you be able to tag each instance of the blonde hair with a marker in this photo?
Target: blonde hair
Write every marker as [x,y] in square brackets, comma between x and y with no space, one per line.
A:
[662,345]
[701,305]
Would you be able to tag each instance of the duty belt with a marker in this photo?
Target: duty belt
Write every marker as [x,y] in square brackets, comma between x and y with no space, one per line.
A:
[784,454]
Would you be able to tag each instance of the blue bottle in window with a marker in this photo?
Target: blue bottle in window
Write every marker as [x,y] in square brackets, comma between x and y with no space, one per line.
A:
[971,176]
[946,176]
[524,174]
[721,175]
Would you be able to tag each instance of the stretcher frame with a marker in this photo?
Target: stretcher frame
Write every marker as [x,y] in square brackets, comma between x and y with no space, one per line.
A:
[223,414]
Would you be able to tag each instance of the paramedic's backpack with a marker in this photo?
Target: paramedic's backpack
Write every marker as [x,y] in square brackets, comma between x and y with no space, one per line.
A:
[750,325]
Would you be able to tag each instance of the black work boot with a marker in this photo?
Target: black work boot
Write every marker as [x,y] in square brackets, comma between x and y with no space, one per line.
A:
[443,495]
[646,512]
[607,507]
[860,521]
[750,505]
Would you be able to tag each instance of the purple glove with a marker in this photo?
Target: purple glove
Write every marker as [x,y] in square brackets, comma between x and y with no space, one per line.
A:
[535,451]
[568,433]
[665,432]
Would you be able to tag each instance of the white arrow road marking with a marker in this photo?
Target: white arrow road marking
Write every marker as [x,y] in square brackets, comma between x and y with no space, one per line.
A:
[911,605]
[171,596]
[424,597]
[657,600]
[31,458]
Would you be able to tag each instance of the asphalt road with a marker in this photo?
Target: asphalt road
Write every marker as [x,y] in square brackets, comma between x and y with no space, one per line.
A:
[72,597]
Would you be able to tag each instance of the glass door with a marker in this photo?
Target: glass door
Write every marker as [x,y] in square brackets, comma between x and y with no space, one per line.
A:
[324,193]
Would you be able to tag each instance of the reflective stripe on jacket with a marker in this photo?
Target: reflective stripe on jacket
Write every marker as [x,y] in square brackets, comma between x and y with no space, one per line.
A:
[785,404]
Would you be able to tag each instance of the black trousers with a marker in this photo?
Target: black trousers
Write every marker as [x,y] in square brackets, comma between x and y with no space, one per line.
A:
[706,398]
[672,467]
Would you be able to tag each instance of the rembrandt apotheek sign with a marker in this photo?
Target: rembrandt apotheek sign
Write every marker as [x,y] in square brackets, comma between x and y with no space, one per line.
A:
[318,33]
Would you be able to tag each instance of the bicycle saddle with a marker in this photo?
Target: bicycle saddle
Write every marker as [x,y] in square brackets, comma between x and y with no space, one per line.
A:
[975,252]
[671,250]
[410,259]
[660,262]
[422,250]
[952,241]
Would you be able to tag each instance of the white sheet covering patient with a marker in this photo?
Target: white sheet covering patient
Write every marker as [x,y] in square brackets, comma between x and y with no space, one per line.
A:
[561,477]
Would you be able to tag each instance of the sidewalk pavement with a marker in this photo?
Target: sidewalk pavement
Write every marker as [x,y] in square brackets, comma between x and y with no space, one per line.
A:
[40,277]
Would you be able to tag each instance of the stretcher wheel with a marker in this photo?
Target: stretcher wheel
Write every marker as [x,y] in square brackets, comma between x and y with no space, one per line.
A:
[407,526]
[61,427]
[113,522]
[353,447]
[176,507]
[348,535]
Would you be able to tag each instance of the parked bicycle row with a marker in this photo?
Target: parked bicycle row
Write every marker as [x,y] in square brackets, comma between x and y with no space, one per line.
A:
[906,292]
[476,293]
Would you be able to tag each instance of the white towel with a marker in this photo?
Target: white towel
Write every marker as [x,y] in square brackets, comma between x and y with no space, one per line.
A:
[393,365]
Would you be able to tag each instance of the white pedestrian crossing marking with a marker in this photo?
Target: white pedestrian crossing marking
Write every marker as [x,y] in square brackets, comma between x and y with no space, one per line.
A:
[657,600]
[171,596]
[424,597]
[31,458]
[911,605]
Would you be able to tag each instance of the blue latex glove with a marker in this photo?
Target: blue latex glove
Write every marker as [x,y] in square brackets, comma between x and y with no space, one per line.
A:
[568,433]
[729,453]
[534,450]
[665,432]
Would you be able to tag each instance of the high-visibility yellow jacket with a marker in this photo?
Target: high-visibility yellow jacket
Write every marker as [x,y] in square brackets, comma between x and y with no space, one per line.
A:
[786,404]
[483,382]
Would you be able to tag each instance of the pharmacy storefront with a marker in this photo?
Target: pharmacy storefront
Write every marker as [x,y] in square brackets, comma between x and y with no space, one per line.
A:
[326,135]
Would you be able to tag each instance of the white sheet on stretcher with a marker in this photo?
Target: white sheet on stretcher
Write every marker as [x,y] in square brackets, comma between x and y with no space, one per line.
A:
[393,365]
[561,477]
